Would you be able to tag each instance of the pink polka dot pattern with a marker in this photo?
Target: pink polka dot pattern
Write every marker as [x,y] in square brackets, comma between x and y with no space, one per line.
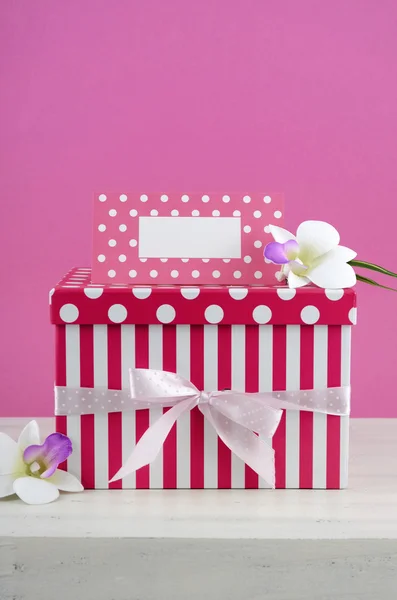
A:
[77,300]
[116,234]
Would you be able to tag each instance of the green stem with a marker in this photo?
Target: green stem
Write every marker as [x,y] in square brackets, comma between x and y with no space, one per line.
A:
[372,282]
[366,265]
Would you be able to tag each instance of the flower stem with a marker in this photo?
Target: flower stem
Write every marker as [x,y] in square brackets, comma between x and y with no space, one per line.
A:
[372,282]
[366,265]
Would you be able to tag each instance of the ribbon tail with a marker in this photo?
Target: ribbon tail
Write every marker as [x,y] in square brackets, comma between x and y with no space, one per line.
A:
[150,444]
[256,452]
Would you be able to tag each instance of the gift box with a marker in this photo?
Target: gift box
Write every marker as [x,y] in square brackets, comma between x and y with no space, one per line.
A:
[244,338]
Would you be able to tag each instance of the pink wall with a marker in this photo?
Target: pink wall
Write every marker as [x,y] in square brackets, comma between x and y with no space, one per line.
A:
[298,96]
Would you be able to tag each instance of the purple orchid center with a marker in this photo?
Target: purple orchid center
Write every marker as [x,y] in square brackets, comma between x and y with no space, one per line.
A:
[42,461]
[281,254]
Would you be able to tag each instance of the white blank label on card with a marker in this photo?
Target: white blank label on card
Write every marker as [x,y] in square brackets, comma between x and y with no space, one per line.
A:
[190,237]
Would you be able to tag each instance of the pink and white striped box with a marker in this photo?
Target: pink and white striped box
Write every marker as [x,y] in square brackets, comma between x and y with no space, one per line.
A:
[244,338]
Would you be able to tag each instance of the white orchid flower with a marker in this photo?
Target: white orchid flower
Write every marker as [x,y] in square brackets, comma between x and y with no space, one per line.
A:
[312,256]
[29,469]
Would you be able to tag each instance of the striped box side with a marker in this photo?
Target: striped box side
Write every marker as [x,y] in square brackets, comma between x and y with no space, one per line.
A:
[311,448]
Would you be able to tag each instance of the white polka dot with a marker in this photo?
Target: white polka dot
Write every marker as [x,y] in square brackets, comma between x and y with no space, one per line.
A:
[258,274]
[132,273]
[133,243]
[226,260]
[112,243]
[205,198]
[165,313]
[93,293]
[213,313]
[257,214]
[236,213]
[262,314]
[122,227]
[101,227]
[195,213]
[216,274]
[286,293]
[163,260]
[247,199]
[123,198]
[216,213]
[195,274]
[143,259]
[112,273]
[353,315]
[122,258]
[175,212]
[238,293]
[154,212]
[50,295]
[185,198]
[164,198]
[257,243]
[174,273]
[226,198]
[141,293]
[102,198]
[310,314]
[278,214]
[334,294]
[246,229]
[112,212]
[69,313]
[237,274]
[101,258]
[190,293]
[266,229]
[247,259]
[153,273]
[144,198]
[267,199]
[205,260]
[133,212]
[117,313]
[184,260]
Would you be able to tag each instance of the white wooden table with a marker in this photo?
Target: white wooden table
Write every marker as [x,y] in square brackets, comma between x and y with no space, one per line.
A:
[235,544]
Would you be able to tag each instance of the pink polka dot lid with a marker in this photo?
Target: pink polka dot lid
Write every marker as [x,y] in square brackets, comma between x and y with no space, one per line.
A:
[77,300]
[184,238]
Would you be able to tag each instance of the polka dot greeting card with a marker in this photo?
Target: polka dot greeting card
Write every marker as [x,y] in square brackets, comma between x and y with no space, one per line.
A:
[186,239]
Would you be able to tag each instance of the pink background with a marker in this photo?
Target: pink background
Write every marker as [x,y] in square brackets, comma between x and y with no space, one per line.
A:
[294,96]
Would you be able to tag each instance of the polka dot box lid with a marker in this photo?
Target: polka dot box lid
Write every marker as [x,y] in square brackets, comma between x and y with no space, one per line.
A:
[76,300]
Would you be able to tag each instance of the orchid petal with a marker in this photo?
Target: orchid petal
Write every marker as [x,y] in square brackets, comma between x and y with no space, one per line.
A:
[10,455]
[281,235]
[29,435]
[33,490]
[315,238]
[340,253]
[6,485]
[295,281]
[66,481]
[50,471]
[297,267]
[56,448]
[275,252]
[291,249]
[333,274]
[281,254]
